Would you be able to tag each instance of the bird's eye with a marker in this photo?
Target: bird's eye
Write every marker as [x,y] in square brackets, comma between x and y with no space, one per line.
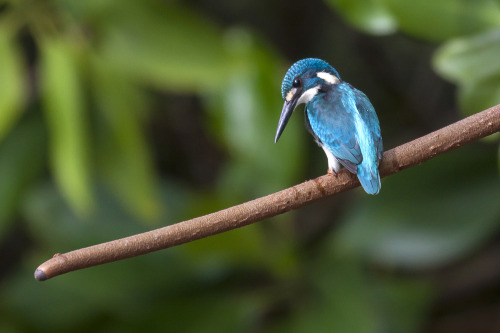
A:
[296,83]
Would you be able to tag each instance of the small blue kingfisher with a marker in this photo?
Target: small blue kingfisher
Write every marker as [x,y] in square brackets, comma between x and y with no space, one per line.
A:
[340,118]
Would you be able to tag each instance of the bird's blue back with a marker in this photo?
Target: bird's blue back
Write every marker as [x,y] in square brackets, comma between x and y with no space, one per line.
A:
[344,121]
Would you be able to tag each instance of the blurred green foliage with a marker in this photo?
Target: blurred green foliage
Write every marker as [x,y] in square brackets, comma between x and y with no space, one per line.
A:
[79,89]
[11,90]
[468,30]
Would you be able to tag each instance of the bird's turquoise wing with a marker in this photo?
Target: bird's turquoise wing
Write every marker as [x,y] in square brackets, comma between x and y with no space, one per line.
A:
[334,127]
[333,119]
[369,116]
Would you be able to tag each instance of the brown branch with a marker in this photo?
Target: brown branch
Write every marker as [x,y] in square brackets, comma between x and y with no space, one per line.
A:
[412,153]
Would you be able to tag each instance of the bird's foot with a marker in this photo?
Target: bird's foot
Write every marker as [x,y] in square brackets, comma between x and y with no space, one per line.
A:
[331,172]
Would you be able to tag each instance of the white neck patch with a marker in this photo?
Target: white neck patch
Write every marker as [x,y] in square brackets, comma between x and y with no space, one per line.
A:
[329,78]
[290,94]
[308,95]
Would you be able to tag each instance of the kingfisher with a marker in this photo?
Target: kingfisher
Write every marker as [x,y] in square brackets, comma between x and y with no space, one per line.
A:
[341,119]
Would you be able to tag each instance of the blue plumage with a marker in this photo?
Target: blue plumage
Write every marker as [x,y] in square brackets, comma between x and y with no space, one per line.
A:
[302,66]
[341,119]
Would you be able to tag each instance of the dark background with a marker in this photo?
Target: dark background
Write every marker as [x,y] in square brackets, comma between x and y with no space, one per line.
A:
[117,117]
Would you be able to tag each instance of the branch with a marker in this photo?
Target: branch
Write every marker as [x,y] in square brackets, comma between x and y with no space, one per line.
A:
[412,153]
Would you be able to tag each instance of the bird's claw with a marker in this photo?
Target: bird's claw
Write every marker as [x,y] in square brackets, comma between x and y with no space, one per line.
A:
[331,172]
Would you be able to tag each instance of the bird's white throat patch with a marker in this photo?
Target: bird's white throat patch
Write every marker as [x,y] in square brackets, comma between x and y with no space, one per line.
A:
[329,78]
[308,95]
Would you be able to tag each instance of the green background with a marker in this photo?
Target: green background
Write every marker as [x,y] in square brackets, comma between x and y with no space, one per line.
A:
[117,117]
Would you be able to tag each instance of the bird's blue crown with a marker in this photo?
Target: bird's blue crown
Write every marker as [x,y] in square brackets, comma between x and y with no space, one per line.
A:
[300,67]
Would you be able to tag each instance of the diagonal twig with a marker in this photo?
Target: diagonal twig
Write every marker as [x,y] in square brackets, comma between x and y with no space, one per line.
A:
[409,154]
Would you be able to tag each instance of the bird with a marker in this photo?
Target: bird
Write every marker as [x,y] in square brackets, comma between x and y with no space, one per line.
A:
[341,119]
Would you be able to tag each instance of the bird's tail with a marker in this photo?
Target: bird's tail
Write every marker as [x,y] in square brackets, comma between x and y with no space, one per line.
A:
[369,177]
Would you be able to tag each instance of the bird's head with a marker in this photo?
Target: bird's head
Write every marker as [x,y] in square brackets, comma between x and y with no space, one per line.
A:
[301,83]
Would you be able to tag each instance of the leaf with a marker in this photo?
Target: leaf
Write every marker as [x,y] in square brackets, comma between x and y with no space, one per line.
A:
[165,45]
[433,214]
[472,63]
[345,296]
[21,161]
[123,153]
[402,303]
[12,92]
[443,19]
[65,112]
[479,95]
[370,16]
[469,59]
[341,302]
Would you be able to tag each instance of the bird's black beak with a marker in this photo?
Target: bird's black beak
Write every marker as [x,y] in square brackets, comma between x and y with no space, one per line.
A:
[286,113]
